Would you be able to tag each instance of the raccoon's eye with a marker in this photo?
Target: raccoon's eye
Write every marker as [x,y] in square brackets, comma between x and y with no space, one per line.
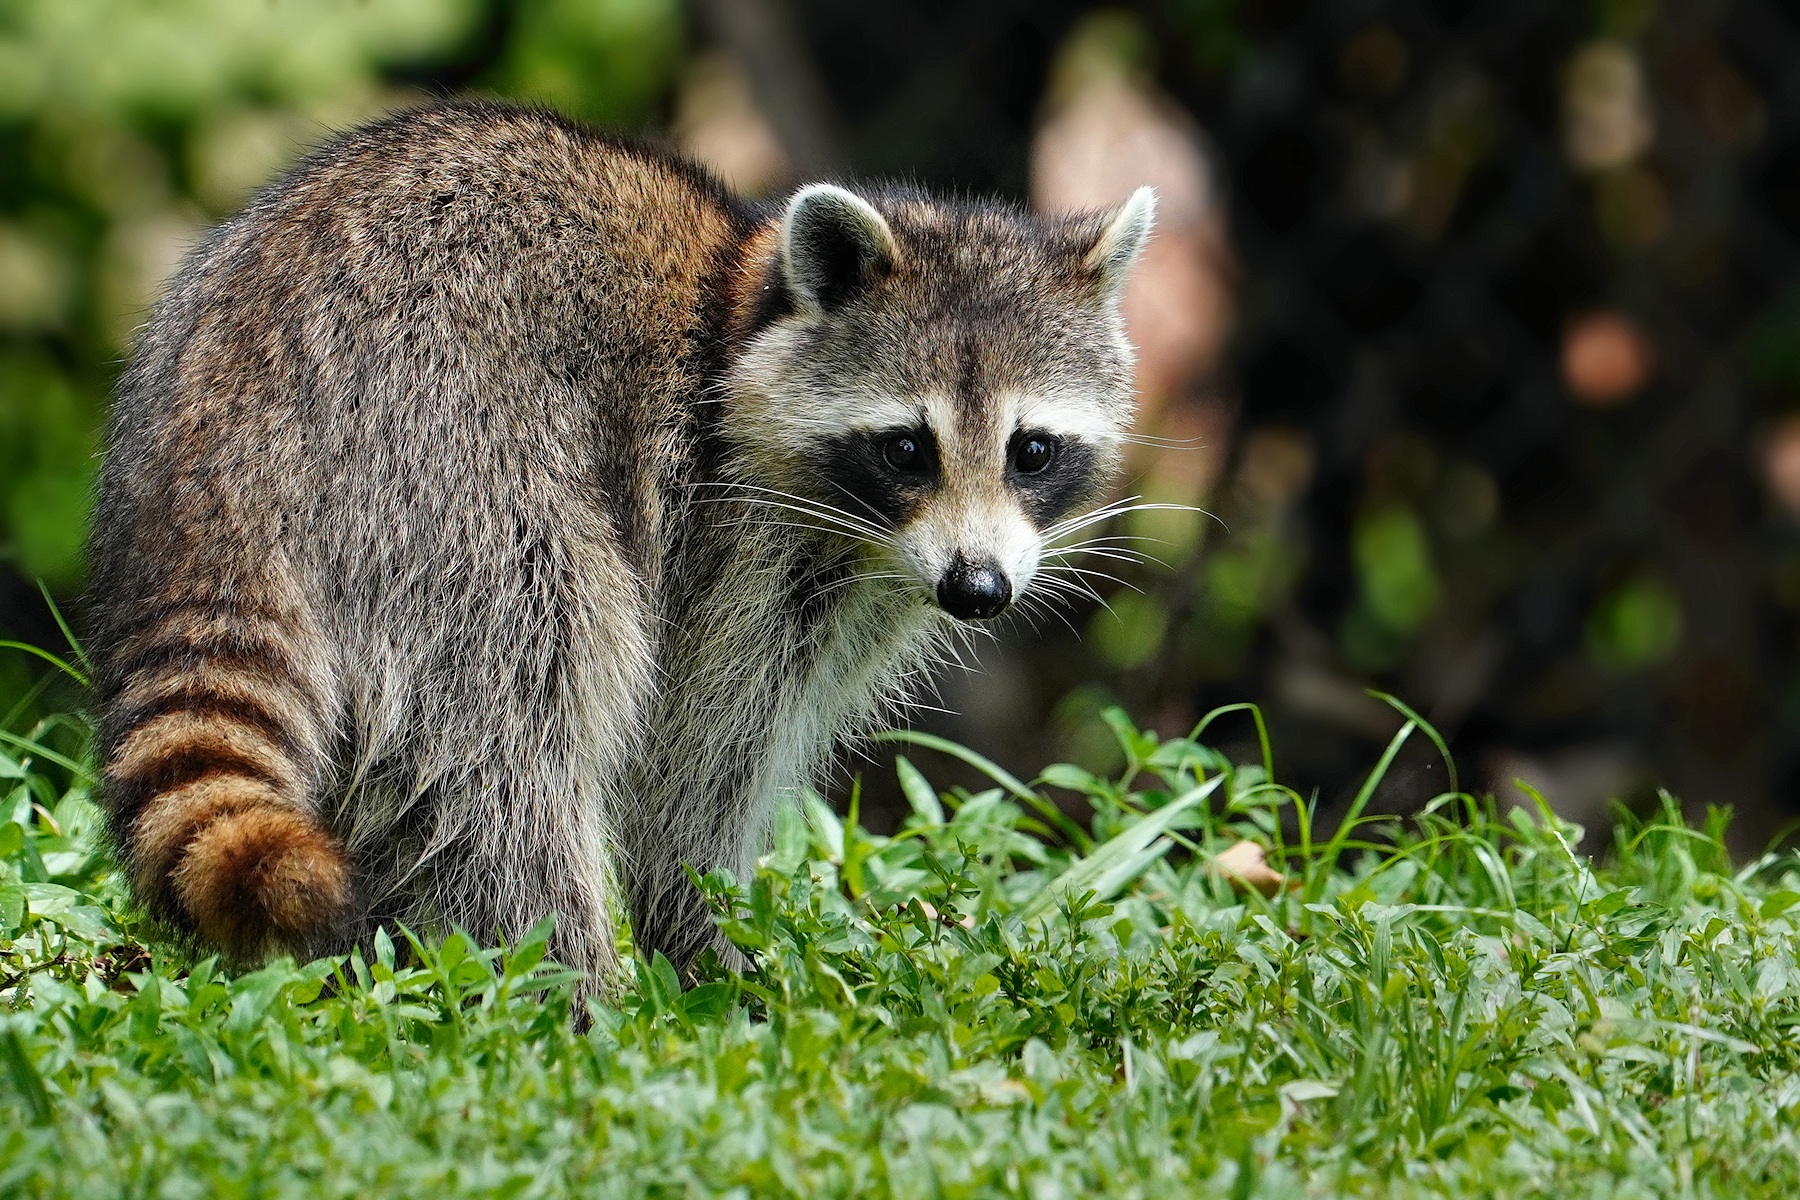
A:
[1033,453]
[903,453]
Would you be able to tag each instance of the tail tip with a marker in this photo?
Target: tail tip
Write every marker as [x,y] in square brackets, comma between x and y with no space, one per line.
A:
[261,876]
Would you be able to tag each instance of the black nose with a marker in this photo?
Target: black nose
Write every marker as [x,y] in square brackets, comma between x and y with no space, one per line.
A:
[973,591]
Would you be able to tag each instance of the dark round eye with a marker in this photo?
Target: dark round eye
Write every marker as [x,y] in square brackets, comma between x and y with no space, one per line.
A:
[903,453]
[1033,454]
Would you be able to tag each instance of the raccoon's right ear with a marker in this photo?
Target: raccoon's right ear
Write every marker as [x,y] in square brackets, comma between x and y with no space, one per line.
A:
[833,243]
[1115,250]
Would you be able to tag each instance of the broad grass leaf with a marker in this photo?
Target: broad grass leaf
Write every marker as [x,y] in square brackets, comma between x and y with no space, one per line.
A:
[251,995]
[1776,903]
[23,1074]
[1105,862]
[920,795]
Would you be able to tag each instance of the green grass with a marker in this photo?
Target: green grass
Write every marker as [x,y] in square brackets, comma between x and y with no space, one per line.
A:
[995,1001]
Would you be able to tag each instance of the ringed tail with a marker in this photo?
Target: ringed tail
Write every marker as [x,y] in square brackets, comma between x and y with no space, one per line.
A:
[213,744]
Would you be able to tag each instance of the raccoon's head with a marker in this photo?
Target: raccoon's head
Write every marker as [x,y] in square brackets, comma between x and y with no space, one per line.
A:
[943,383]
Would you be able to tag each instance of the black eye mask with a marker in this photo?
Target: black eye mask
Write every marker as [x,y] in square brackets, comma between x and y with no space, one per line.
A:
[1049,474]
[881,476]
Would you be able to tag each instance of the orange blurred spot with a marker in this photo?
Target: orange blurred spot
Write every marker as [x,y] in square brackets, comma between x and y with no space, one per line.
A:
[1108,129]
[717,121]
[1606,358]
[1781,461]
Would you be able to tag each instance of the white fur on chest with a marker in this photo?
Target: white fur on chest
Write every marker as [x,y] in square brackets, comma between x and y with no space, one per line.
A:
[876,646]
[744,720]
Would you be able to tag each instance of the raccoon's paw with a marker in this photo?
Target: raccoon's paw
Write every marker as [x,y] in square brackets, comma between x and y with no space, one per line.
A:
[260,877]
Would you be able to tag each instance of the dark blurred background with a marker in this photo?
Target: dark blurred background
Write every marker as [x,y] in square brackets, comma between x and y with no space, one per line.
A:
[1475,327]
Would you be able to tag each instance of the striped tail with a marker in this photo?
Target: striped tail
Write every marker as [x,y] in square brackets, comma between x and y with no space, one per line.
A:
[214,746]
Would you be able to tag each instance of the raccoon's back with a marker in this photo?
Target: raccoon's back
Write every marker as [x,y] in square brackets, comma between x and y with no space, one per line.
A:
[448,265]
[440,341]
[362,442]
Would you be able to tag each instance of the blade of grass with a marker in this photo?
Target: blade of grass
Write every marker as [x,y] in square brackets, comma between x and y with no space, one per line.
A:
[1123,847]
[1262,731]
[1044,806]
[1115,879]
[48,657]
[25,1078]
[1437,739]
[49,755]
[69,634]
[26,700]
[1550,822]
[918,791]
[1315,879]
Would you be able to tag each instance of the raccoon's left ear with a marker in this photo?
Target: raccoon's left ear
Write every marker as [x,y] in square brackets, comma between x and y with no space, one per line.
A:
[1114,252]
[833,243]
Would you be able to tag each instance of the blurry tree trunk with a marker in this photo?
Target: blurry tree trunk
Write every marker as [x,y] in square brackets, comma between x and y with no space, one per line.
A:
[765,39]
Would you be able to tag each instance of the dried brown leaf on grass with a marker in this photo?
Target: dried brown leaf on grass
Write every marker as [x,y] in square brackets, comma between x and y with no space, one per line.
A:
[1246,865]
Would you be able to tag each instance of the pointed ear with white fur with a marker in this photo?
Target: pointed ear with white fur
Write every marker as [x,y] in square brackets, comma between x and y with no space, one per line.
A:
[1116,250]
[833,243]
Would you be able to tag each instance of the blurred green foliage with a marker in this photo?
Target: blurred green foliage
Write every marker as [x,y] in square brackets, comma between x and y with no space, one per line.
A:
[1129,630]
[1397,585]
[127,127]
[1393,561]
[1774,349]
[560,51]
[1636,624]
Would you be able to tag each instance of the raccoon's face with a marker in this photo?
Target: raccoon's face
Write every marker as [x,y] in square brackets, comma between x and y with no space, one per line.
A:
[940,384]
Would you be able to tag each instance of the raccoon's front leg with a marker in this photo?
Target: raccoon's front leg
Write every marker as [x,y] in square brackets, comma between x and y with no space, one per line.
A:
[523,807]
[538,847]
[669,914]
[703,817]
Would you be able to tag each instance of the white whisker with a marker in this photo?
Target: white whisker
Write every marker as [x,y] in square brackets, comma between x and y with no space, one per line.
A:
[811,505]
[1086,573]
[834,524]
[1163,443]
[805,527]
[1103,514]
[1062,552]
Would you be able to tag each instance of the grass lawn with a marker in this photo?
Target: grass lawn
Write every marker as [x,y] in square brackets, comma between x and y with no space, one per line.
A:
[995,1001]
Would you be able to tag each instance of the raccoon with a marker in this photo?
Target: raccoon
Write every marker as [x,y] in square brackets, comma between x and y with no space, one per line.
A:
[499,518]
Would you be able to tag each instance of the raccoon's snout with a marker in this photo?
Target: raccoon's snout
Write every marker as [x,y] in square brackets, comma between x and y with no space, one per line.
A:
[973,591]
